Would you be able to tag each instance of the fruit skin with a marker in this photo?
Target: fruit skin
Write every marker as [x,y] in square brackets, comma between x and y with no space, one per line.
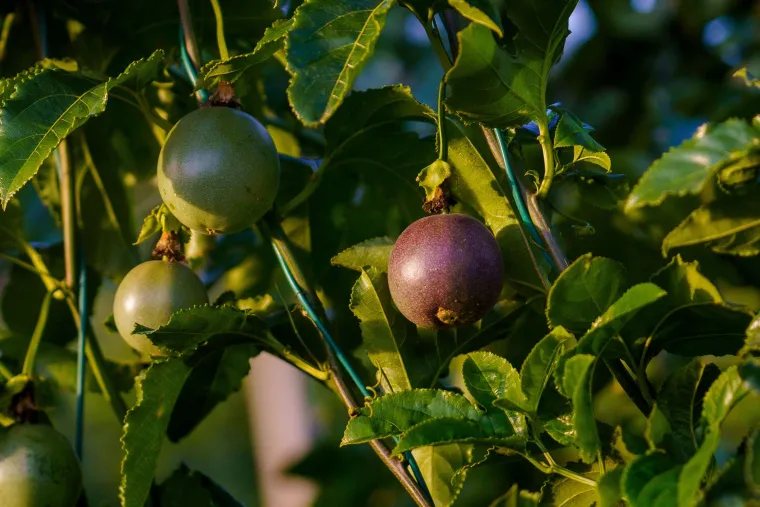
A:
[149,294]
[38,468]
[218,171]
[445,271]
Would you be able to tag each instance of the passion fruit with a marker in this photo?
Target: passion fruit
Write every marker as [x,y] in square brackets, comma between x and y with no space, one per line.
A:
[149,294]
[445,271]
[38,468]
[218,171]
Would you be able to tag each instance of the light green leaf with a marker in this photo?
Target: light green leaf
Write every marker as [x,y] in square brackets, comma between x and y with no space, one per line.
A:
[187,329]
[145,425]
[232,69]
[439,466]
[539,366]
[327,47]
[42,106]
[432,176]
[395,413]
[473,183]
[571,131]
[570,493]
[448,430]
[491,86]
[686,169]
[727,226]
[600,158]
[561,429]
[483,12]
[577,382]
[383,330]
[373,252]
[584,291]
[609,488]
[517,497]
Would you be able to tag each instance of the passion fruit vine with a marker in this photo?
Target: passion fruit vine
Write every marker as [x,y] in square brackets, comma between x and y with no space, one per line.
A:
[445,271]
[149,294]
[218,171]
[38,468]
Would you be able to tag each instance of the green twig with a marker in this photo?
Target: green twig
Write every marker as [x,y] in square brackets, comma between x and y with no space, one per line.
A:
[560,470]
[5,373]
[220,40]
[545,140]
[39,330]
[443,142]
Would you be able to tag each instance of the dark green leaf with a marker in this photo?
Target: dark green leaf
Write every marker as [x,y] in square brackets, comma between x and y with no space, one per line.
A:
[234,68]
[187,329]
[577,383]
[483,12]
[539,366]
[189,488]
[327,48]
[491,86]
[145,425]
[383,329]
[585,290]
[687,168]
[45,106]
[728,226]
[395,413]
[685,284]
[448,430]
[213,379]
[658,429]
[517,497]
[373,252]
[676,401]
[651,480]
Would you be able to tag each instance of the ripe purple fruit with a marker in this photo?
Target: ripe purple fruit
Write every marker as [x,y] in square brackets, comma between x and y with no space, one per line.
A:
[445,271]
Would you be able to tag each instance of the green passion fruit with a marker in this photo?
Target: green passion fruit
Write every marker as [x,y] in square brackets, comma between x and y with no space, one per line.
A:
[218,171]
[38,468]
[445,271]
[149,294]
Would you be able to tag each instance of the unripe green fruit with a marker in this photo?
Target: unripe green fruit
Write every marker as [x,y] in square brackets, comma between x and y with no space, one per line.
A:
[38,468]
[218,171]
[149,294]
[445,271]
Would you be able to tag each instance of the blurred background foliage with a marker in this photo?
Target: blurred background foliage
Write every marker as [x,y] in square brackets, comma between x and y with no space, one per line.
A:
[644,73]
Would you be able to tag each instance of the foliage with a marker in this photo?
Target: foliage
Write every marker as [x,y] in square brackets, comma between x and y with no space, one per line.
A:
[626,375]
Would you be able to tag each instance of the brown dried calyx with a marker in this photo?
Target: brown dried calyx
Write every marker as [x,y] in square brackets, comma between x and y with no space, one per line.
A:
[441,202]
[23,407]
[170,247]
[224,96]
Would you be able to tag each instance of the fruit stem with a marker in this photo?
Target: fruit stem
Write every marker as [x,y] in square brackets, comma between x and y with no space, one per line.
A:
[220,41]
[39,330]
[272,229]
[443,142]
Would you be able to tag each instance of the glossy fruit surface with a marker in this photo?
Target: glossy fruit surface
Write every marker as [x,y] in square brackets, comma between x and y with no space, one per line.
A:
[149,294]
[445,271]
[218,171]
[38,468]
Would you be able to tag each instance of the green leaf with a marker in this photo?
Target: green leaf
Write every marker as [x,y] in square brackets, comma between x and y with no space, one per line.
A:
[583,291]
[327,48]
[571,493]
[234,68]
[489,85]
[383,330]
[482,12]
[727,390]
[748,78]
[395,413]
[189,488]
[213,379]
[439,466]
[432,176]
[473,183]
[752,463]
[600,158]
[657,429]
[160,219]
[609,488]
[517,497]
[539,366]
[577,382]
[561,429]
[676,400]
[373,252]
[44,105]
[606,327]
[651,480]
[750,372]
[700,330]
[571,131]
[685,284]
[187,329]
[145,425]
[686,169]
[448,430]
[727,226]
